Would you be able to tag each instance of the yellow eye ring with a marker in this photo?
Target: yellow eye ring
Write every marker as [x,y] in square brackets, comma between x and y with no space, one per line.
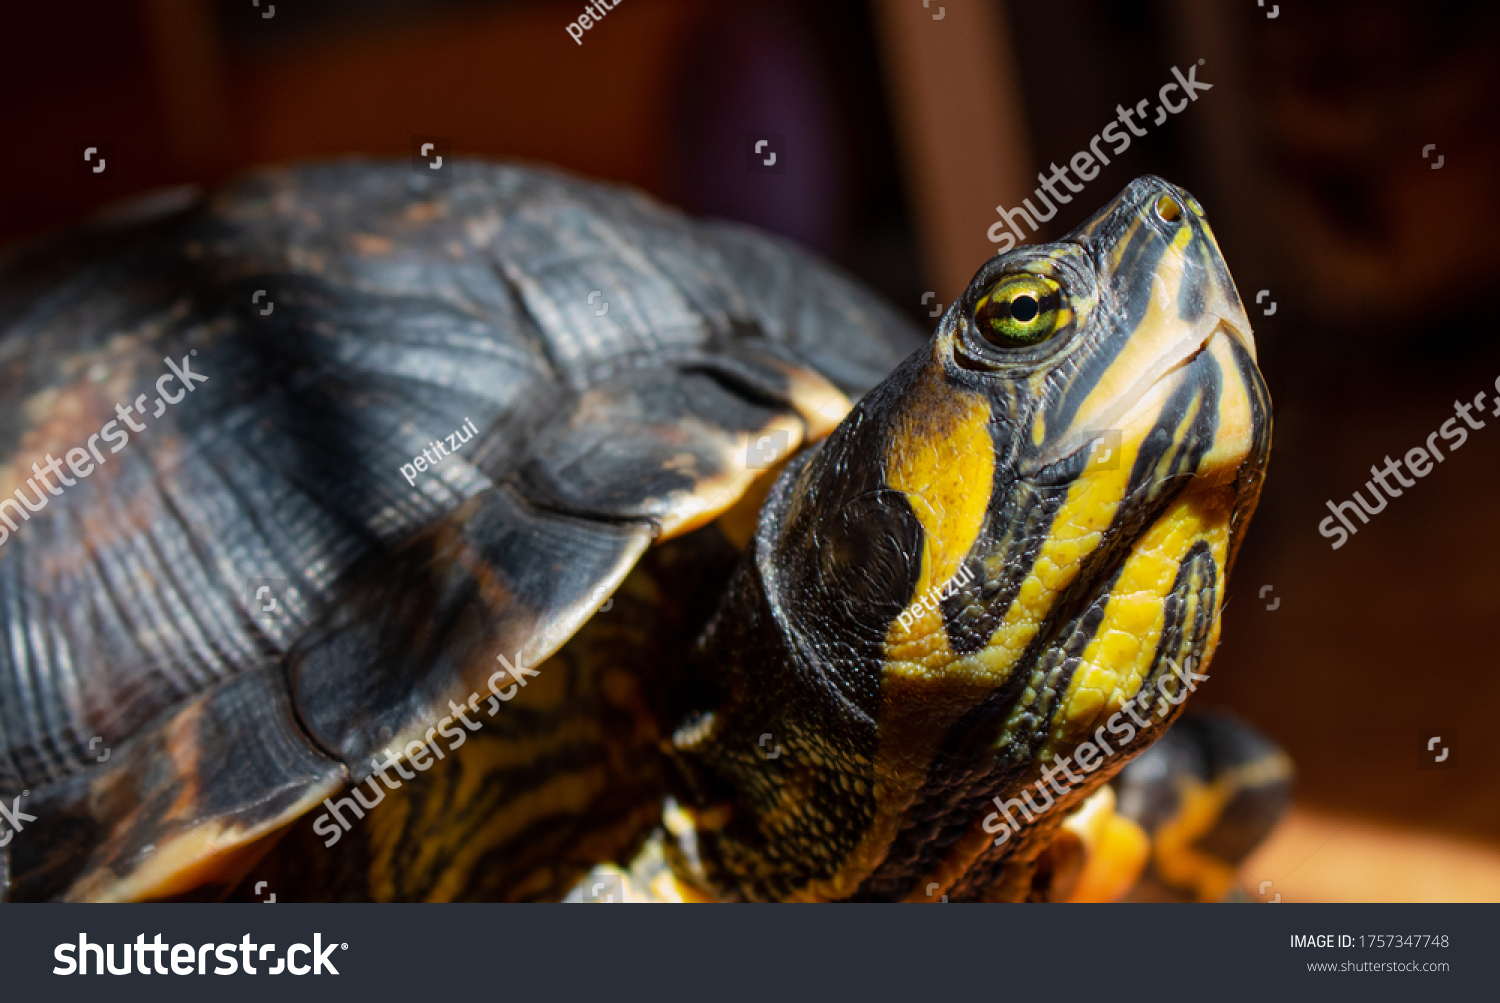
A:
[1020,311]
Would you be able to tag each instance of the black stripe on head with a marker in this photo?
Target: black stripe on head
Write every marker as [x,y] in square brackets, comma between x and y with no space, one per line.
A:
[1185,631]
[1003,557]
[1125,298]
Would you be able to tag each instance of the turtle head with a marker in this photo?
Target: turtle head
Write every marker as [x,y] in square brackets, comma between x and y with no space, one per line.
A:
[994,583]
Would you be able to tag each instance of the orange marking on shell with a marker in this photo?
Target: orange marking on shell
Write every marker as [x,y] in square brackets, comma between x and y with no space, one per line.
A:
[64,416]
[371,244]
[426,212]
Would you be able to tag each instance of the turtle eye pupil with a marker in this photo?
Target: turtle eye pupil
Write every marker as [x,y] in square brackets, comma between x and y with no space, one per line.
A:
[1021,310]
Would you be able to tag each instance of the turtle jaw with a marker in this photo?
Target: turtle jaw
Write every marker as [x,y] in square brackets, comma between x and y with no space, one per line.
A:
[1218,336]
[1155,293]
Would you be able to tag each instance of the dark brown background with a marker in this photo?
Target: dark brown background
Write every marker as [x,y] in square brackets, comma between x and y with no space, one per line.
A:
[902,134]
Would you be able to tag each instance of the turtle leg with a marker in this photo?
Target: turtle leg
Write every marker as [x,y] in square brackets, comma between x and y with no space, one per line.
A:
[1096,856]
[650,876]
[1208,793]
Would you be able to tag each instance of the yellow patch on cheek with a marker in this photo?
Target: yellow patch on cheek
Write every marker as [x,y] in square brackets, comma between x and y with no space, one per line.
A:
[1077,530]
[946,478]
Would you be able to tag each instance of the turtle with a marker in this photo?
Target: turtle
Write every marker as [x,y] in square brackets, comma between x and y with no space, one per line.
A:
[372,536]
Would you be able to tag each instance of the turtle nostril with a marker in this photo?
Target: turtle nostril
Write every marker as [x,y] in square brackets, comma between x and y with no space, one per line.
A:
[1168,209]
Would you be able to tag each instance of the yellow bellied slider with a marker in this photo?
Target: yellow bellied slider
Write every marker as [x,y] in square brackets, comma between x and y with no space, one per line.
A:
[887,667]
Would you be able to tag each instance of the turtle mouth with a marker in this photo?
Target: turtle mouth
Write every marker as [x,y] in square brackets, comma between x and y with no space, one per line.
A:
[1166,367]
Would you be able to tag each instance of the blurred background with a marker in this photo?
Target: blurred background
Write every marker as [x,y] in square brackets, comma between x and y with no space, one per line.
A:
[1346,153]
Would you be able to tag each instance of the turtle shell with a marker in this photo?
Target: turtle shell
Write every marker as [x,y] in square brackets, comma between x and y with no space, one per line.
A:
[289,471]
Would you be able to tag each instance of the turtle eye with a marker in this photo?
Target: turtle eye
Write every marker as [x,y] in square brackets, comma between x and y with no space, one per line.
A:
[1020,311]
